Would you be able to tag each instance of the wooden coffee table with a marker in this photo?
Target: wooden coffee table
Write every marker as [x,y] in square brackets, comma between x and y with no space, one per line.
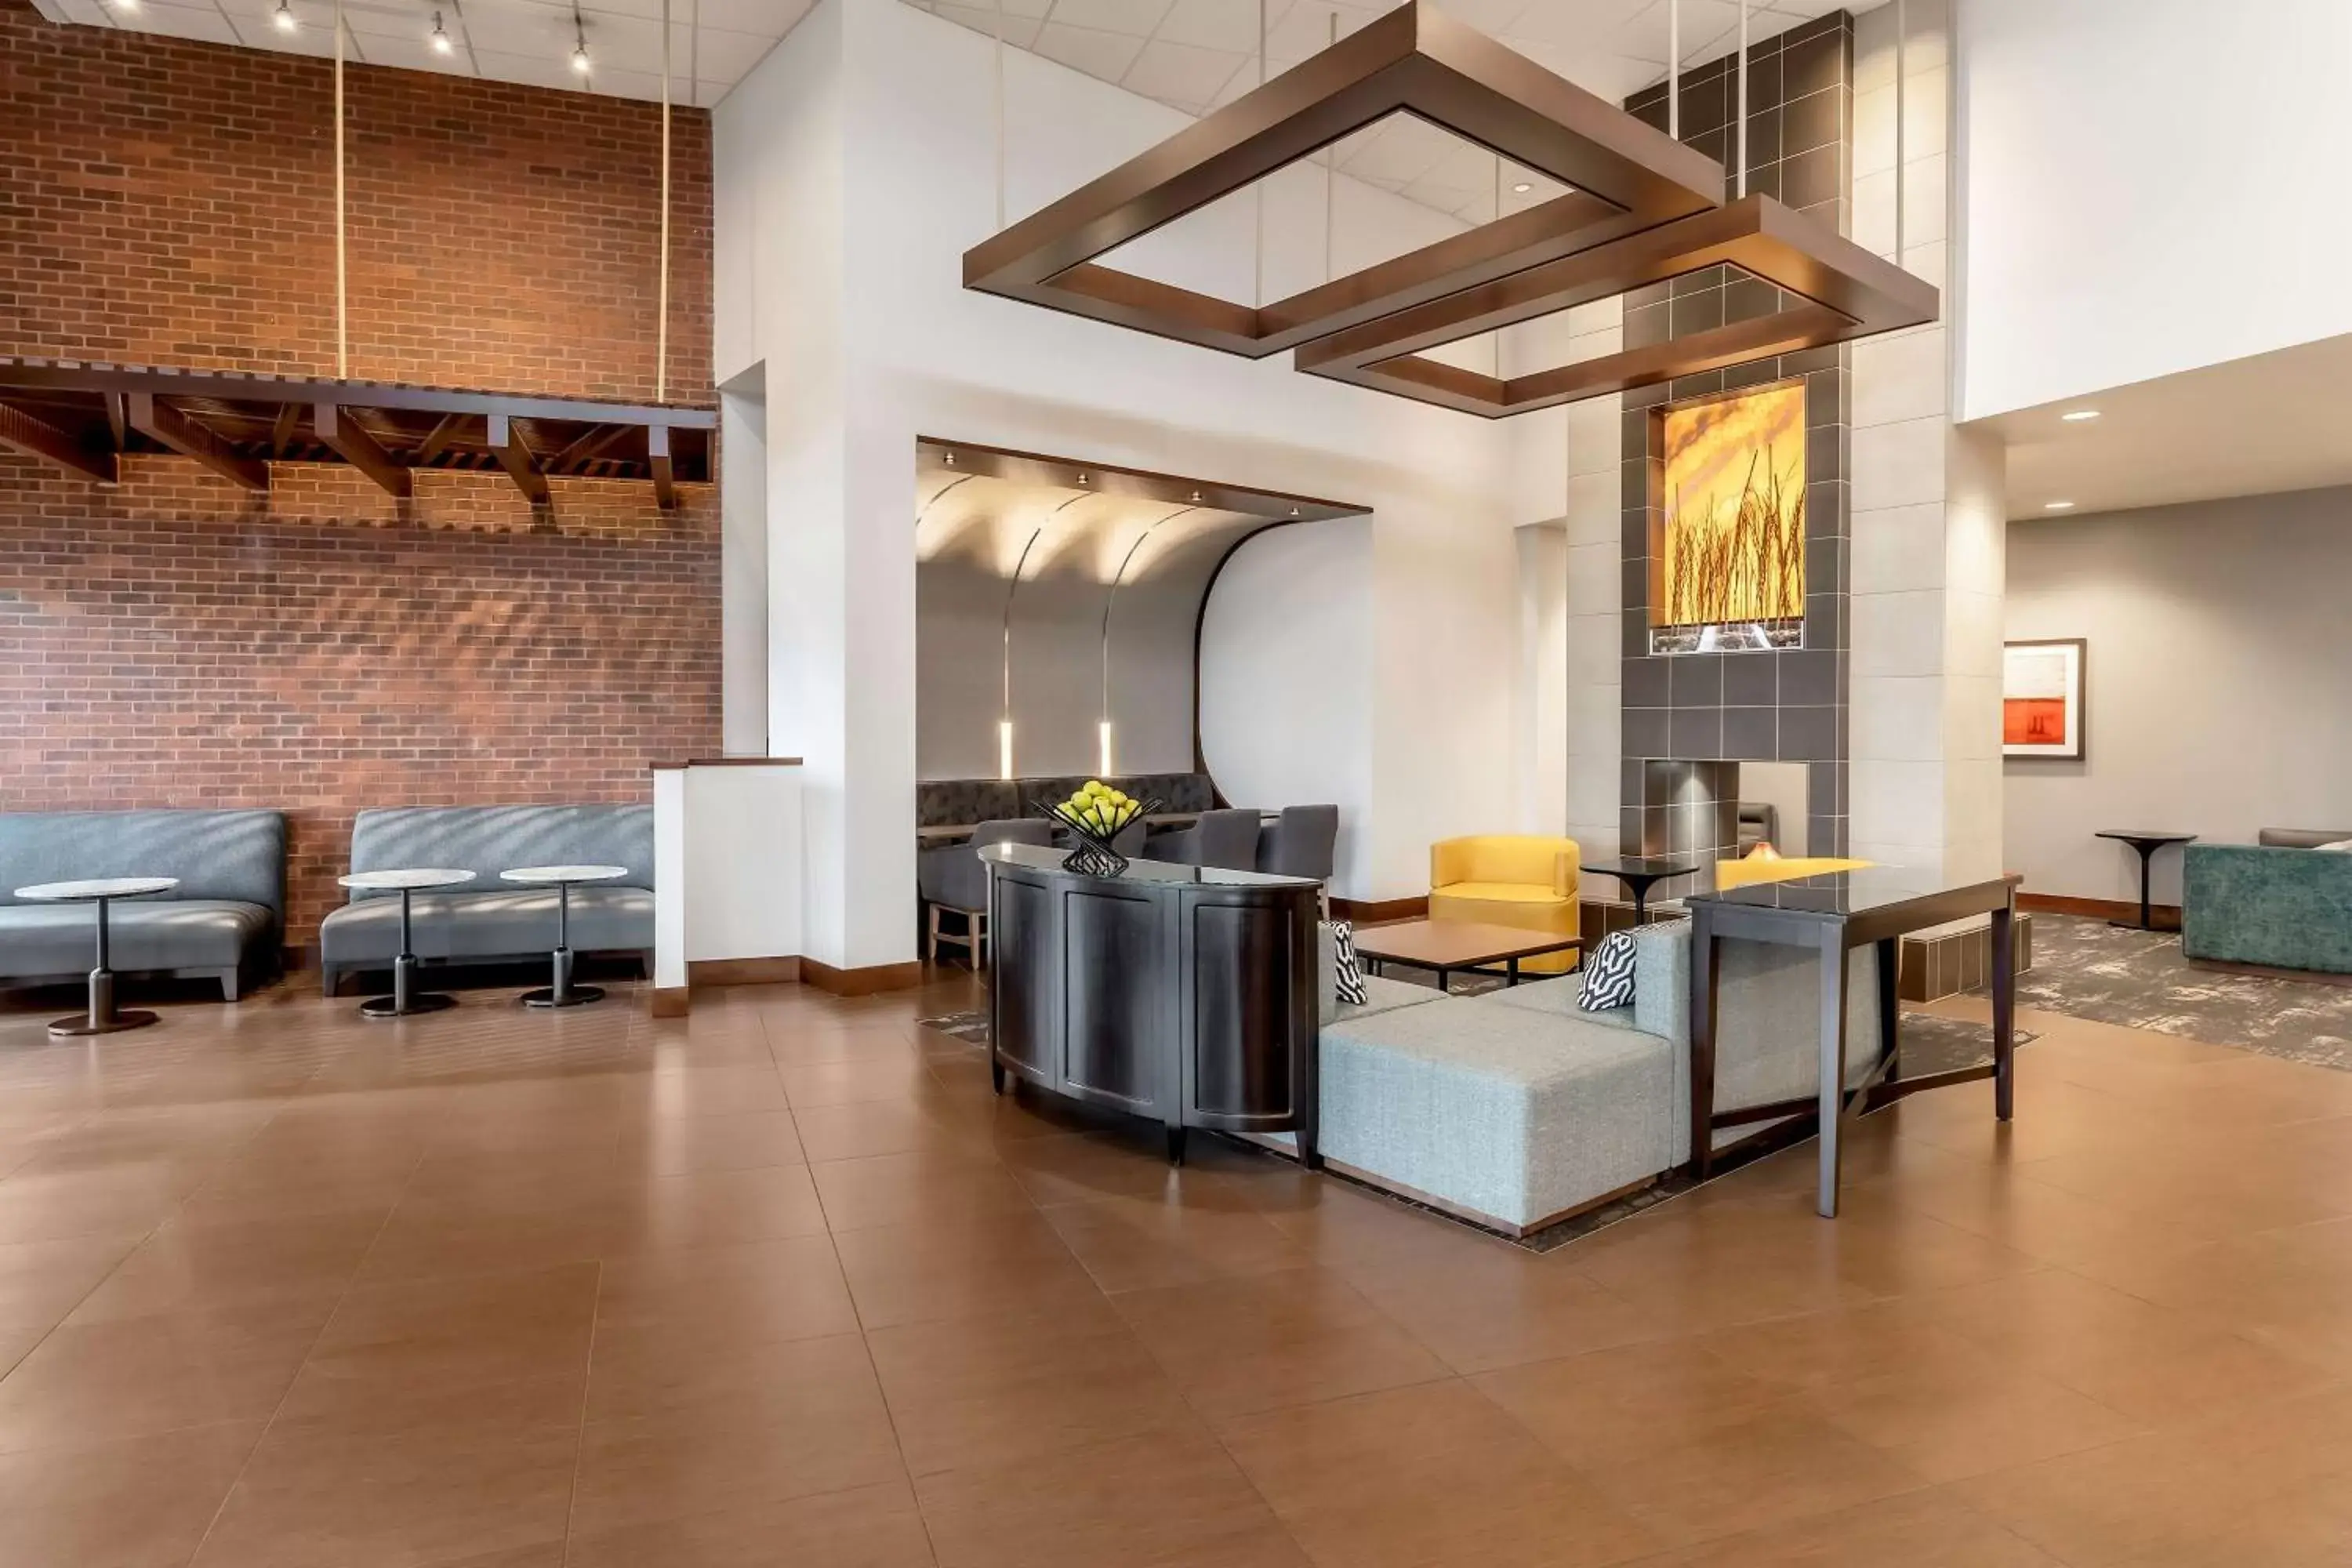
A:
[1447,946]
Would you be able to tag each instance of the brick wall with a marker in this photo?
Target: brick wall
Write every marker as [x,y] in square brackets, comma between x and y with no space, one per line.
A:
[177,641]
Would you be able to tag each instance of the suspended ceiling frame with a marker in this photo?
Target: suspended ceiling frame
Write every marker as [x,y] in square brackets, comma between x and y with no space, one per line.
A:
[1843,291]
[1626,177]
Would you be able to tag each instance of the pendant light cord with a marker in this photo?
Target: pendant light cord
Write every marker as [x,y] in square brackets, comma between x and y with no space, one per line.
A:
[342,274]
[661,329]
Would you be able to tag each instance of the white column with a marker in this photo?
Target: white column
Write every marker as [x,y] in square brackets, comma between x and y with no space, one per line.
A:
[743,563]
[1926,560]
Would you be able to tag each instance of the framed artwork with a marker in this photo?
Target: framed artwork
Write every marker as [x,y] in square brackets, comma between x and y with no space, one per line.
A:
[1727,561]
[2042,699]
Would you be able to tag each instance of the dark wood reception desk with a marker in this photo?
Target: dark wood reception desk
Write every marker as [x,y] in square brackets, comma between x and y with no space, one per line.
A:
[1177,993]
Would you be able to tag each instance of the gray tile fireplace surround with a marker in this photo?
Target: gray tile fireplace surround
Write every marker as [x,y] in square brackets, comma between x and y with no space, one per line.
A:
[1691,719]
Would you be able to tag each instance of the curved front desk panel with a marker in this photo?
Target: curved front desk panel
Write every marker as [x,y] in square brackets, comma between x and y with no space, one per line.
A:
[1181,994]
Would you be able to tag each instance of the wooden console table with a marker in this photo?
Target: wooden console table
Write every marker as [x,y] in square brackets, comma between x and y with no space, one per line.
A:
[1834,914]
[1182,993]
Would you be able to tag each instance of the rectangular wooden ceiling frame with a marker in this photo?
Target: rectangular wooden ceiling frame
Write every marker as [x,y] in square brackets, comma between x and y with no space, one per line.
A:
[1846,291]
[1624,177]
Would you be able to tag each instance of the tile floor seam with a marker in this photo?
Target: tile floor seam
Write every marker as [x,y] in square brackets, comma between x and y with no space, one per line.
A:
[350,1283]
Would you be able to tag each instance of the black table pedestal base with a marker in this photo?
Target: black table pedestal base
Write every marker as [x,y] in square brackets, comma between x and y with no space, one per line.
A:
[562,993]
[404,1000]
[101,1018]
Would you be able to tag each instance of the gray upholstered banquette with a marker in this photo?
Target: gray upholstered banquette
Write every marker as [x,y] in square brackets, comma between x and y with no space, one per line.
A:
[222,922]
[489,921]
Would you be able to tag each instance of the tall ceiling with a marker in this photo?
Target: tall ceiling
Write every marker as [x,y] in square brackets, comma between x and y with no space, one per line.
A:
[1193,55]
[712,42]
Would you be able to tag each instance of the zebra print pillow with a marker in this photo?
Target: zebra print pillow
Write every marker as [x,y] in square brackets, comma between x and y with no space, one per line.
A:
[1608,974]
[1348,976]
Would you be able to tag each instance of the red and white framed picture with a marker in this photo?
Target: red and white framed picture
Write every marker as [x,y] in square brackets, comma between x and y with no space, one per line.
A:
[2042,699]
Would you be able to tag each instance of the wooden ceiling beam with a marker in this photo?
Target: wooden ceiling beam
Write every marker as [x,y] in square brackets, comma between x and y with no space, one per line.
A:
[506,445]
[592,441]
[281,431]
[438,442]
[153,417]
[38,438]
[338,430]
[665,474]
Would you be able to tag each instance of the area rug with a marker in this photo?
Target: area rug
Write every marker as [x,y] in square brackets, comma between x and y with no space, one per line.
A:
[2086,968]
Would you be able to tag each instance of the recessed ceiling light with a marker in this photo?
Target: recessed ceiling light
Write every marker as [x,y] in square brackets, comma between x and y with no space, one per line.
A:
[2057,506]
[441,43]
[1522,188]
[2076,416]
[284,18]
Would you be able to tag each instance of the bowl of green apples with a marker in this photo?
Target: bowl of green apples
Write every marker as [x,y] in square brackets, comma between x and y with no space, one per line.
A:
[1095,815]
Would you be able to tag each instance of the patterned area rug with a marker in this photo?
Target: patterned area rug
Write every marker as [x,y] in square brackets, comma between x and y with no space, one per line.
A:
[2086,968]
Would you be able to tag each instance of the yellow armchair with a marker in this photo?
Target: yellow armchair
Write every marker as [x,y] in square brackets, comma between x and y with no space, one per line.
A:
[1508,880]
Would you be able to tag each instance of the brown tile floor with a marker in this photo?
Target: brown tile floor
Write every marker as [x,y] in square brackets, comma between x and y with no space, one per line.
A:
[784,1284]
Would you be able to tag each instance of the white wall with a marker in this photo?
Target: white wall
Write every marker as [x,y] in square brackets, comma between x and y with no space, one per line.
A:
[2218,696]
[853,167]
[2147,188]
[1540,682]
[1284,720]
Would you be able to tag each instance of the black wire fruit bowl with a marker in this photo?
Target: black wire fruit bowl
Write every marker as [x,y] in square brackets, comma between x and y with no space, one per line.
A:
[1094,828]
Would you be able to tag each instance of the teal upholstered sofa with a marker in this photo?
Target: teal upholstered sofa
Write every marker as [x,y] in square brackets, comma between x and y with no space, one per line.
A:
[2270,903]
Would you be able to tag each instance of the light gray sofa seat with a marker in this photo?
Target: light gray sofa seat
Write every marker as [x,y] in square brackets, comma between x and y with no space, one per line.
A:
[1505,1113]
[489,922]
[1518,1107]
[222,923]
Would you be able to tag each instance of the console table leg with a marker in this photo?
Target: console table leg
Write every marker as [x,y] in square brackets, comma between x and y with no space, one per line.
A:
[1832,1091]
[2004,1012]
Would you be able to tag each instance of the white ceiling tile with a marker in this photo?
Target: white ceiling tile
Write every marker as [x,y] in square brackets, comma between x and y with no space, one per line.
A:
[201,22]
[1136,19]
[763,18]
[1020,32]
[1492,17]
[1228,25]
[1181,73]
[1104,55]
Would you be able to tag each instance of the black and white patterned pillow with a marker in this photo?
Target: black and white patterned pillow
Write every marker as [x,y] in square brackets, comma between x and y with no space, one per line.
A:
[1608,974]
[1347,976]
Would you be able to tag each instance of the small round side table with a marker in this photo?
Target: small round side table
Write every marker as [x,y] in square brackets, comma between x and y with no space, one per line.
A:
[562,993]
[405,1000]
[101,1018]
[2148,841]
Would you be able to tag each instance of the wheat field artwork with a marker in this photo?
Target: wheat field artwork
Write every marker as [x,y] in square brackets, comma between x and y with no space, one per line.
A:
[1733,552]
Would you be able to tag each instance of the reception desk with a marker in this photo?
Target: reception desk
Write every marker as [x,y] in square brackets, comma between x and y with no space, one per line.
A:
[1175,993]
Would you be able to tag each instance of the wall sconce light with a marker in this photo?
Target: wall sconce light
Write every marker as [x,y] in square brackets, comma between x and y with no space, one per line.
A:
[1102,749]
[1005,749]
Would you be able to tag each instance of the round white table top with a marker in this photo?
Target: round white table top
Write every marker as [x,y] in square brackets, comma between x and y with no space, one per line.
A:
[395,882]
[547,876]
[97,887]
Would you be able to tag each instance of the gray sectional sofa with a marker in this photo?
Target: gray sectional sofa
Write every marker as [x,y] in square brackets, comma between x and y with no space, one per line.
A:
[487,920]
[1517,1108]
[225,921]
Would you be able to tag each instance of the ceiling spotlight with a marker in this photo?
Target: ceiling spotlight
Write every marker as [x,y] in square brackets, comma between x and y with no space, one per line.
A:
[441,43]
[126,4]
[284,18]
[579,43]
[2057,506]
[2076,416]
[1522,188]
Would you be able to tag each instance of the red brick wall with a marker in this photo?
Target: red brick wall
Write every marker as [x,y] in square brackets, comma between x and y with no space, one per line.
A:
[176,641]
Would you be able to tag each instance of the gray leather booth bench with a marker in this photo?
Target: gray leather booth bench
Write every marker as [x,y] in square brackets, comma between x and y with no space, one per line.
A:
[487,920]
[225,921]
